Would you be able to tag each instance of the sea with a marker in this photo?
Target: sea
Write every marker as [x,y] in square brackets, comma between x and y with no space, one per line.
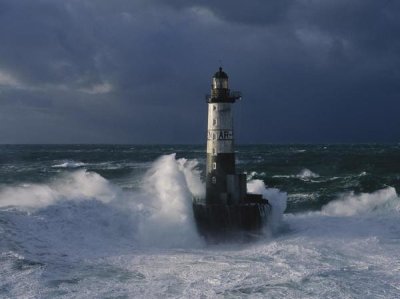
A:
[116,221]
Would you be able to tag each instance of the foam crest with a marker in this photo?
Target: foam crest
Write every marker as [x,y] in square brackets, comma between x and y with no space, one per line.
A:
[306,174]
[79,185]
[363,203]
[69,164]
[254,174]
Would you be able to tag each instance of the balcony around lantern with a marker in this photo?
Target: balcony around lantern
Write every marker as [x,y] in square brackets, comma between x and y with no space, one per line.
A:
[223,96]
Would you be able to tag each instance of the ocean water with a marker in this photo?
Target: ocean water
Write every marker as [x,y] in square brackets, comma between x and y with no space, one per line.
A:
[115,221]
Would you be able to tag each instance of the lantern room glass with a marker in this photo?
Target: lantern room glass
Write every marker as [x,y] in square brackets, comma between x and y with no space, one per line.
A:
[220,83]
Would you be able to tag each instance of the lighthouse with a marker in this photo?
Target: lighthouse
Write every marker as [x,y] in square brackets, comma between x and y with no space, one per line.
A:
[227,207]
[220,167]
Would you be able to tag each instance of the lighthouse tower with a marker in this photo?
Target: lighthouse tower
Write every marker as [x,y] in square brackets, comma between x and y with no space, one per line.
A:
[220,172]
[227,207]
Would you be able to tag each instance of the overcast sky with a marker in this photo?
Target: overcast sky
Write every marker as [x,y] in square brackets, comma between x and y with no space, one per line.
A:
[136,71]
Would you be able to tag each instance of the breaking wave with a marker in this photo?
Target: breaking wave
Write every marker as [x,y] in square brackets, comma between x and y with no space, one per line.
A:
[77,186]
[88,210]
[364,203]
[167,187]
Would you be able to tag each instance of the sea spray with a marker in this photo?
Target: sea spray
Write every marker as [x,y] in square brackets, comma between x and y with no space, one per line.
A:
[276,198]
[171,221]
[192,176]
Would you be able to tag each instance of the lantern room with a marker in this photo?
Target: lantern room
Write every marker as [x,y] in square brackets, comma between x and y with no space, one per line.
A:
[220,80]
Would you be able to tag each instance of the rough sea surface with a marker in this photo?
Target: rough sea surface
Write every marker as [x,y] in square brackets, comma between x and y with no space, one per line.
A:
[115,221]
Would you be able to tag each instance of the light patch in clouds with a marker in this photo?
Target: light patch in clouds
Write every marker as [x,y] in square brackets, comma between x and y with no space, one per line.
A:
[205,15]
[102,88]
[313,38]
[8,80]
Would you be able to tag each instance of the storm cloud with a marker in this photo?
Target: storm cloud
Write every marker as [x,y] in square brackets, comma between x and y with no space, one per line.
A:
[80,71]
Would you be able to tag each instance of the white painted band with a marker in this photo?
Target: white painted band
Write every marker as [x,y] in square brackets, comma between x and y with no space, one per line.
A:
[220,128]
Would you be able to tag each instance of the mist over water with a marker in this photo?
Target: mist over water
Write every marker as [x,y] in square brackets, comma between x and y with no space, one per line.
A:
[107,222]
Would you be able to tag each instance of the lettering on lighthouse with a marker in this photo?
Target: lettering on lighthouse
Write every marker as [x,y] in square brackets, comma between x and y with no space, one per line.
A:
[220,135]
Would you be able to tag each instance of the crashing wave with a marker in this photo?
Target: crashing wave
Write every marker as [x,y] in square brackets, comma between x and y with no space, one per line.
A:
[364,203]
[84,213]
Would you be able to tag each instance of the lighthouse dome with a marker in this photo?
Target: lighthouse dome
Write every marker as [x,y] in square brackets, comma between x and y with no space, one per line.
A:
[220,74]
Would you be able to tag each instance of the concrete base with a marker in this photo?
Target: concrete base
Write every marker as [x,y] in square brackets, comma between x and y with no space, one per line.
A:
[222,222]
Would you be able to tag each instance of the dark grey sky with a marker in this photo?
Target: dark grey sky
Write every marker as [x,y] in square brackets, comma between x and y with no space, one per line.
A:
[126,71]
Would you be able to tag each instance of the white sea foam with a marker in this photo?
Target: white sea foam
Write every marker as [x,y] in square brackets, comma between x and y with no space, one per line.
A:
[283,176]
[254,174]
[276,198]
[300,197]
[305,175]
[351,204]
[79,185]
[69,164]
[300,151]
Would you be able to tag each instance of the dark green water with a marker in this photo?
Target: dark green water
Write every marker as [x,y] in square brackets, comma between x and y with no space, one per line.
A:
[312,175]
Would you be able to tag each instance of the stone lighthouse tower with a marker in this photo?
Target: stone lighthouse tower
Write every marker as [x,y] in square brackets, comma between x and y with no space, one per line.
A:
[227,207]
[220,170]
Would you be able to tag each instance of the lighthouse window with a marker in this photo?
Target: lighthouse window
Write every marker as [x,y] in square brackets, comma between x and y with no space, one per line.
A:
[214,180]
[214,165]
[214,122]
[214,107]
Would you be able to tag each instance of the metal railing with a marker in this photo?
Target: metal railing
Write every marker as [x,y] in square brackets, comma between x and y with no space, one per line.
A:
[236,94]
[233,95]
